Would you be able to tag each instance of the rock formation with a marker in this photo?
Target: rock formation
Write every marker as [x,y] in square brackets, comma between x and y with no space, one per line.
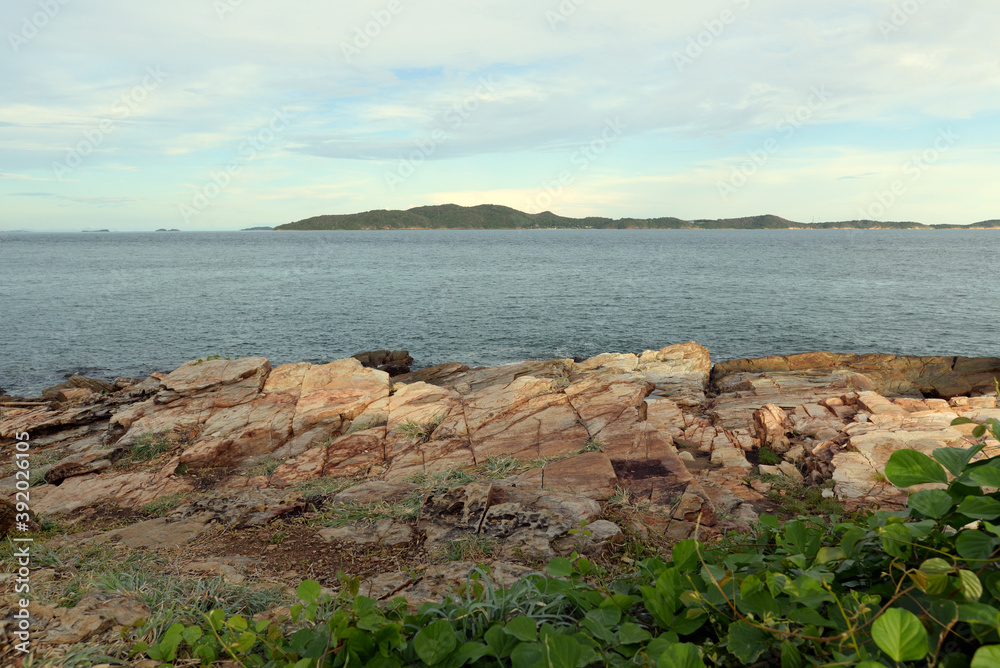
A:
[518,457]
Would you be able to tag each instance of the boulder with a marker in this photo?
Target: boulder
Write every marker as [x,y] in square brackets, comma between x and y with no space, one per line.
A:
[772,427]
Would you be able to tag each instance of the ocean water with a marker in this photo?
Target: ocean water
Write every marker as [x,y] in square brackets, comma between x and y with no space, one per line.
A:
[126,304]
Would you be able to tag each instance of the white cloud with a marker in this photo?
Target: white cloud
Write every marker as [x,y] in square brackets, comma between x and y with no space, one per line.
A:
[556,84]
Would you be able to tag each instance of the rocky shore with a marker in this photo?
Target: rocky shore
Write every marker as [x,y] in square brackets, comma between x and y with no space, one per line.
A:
[236,470]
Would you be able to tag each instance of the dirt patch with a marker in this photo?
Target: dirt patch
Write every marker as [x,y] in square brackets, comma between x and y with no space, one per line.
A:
[627,469]
[291,551]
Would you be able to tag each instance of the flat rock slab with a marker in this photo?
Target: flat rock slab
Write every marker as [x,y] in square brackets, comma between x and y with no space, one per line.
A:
[160,533]
[387,532]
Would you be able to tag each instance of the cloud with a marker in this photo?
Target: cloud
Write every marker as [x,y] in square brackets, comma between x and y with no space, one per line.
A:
[697,85]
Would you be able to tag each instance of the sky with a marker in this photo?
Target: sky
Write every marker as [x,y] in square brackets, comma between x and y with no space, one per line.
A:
[225,114]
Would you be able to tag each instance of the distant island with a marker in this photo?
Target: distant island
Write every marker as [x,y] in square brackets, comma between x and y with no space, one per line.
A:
[97,230]
[496,217]
[257,229]
[166,230]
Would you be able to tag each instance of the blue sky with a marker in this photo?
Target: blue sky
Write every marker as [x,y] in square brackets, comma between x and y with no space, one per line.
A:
[223,114]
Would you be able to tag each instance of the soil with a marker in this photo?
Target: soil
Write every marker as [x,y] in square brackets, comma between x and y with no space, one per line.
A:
[291,550]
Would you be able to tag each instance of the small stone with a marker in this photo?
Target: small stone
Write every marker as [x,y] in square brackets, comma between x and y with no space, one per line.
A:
[828,494]
[685,455]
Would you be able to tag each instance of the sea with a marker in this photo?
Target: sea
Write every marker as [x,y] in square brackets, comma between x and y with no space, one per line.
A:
[126,304]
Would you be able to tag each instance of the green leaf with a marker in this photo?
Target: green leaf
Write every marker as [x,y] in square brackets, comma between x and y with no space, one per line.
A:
[435,642]
[906,468]
[986,475]
[471,652]
[980,613]
[527,655]
[934,503]
[896,539]
[900,634]
[630,634]
[561,651]
[935,566]
[685,555]
[828,554]
[308,591]
[747,642]
[560,567]
[986,657]
[192,633]
[975,545]
[237,623]
[980,507]
[956,459]
[972,588]
[791,657]
[681,655]
[523,628]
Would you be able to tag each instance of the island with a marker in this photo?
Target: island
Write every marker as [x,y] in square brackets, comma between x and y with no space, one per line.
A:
[166,230]
[260,228]
[497,217]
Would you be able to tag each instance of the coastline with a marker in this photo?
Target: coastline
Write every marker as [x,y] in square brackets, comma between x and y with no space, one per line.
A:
[244,472]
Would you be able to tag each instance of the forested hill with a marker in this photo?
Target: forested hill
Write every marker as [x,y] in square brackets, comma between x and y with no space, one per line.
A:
[496,217]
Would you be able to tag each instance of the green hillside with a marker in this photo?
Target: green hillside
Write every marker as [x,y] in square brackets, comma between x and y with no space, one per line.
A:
[497,217]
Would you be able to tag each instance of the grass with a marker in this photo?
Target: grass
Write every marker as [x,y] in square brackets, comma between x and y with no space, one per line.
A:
[501,466]
[471,548]
[592,445]
[443,480]
[419,430]
[265,468]
[324,486]
[163,505]
[348,513]
[140,576]
[798,499]
[768,457]
[146,447]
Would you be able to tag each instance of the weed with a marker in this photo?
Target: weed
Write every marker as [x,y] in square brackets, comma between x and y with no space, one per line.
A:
[163,505]
[501,466]
[417,430]
[442,480]
[278,538]
[471,548]
[146,447]
[768,457]
[879,477]
[347,513]
[593,445]
[264,468]
[325,485]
